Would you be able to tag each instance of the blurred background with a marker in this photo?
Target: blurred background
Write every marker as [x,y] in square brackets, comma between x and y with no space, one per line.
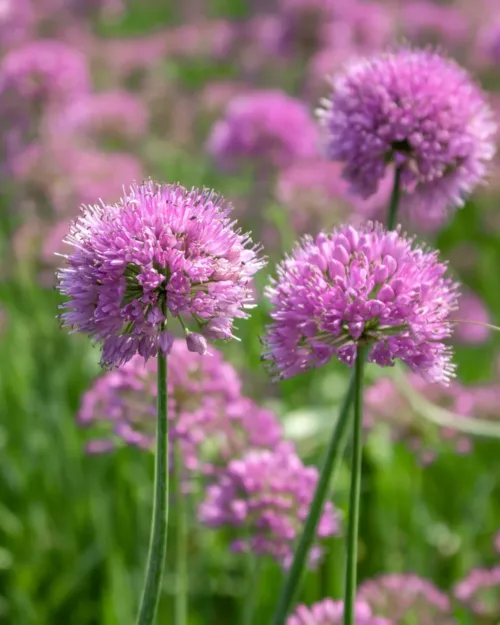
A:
[96,94]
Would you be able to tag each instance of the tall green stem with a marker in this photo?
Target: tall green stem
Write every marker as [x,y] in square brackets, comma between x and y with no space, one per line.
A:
[158,541]
[394,202]
[181,594]
[354,497]
[249,605]
[330,464]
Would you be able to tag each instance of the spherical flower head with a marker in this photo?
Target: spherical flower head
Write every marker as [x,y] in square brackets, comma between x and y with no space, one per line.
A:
[121,405]
[44,73]
[161,251]
[265,496]
[387,404]
[360,288]
[479,592]
[270,126]
[328,612]
[406,598]
[419,112]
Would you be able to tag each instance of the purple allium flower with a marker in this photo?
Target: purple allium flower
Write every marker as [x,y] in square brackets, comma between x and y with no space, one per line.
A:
[472,308]
[267,125]
[162,250]
[207,413]
[266,496]
[43,73]
[361,287]
[415,110]
[328,612]
[387,405]
[407,598]
[480,593]
[124,400]
[111,114]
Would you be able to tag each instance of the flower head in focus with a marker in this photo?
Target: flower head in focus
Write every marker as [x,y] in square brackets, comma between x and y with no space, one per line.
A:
[365,287]
[405,597]
[162,251]
[479,592]
[328,612]
[419,112]
[266,496]
[267,125]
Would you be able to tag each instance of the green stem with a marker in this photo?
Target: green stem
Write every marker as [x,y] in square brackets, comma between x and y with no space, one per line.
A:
[181,594]
[354,497]
[158,541]
[394,202]
[248,607]
[330,464]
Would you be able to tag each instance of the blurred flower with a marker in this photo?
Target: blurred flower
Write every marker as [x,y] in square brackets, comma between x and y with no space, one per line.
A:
[479,591]
[368,287]
[472,308]
[207,413]
[37,78]
[419,112]
[161,249]
[16,22]
[303,24]
[318,197]
[266,495]
[268,126]
[432,23]
[58,176]
[43,73]
[386,404]
[110,115]
[405,598]
[489,42]
[328,612]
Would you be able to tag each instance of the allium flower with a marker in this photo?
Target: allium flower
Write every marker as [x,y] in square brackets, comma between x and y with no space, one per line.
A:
[386,404]
[44,73]
[267,125]
[208,415]
[489,42]
[266,496]
[480,593]
[364,287]
[472,308]
[111,114]
[161,250]
[407,598]
[419,112]
[328,612]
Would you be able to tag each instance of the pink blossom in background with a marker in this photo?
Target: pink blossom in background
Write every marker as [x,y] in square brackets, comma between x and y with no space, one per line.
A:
[472,308]
[479,591]
[488,43]
[406,597]
[328,612]
[426,22]
[265,496]
[114,114]
[386,405]
[266,126]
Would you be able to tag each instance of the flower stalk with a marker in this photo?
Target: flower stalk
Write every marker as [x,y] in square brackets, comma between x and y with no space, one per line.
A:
[158,542]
